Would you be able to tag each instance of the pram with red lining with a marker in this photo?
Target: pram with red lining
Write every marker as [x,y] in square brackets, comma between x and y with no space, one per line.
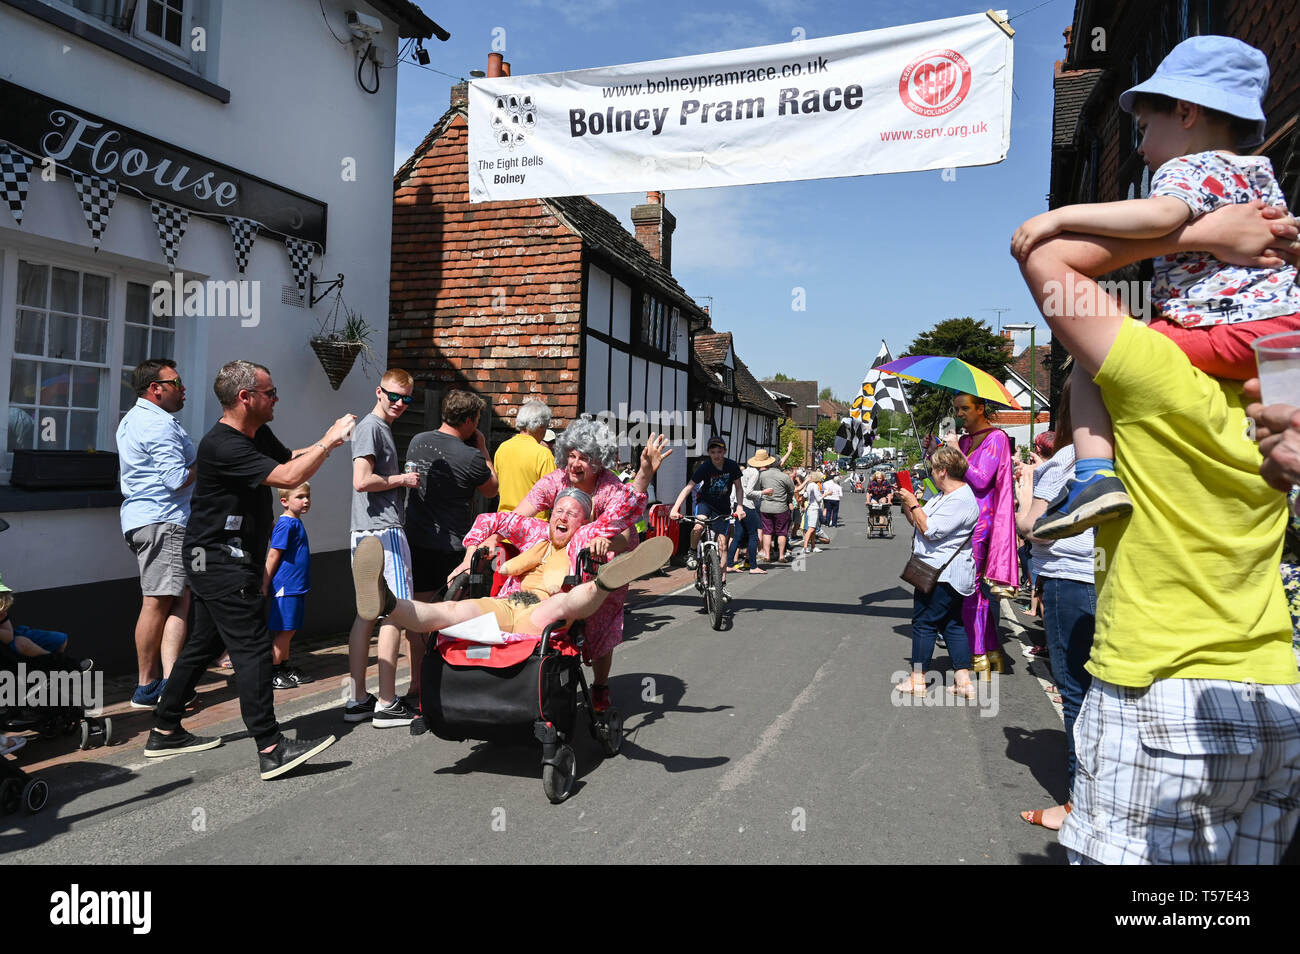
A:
[515,693]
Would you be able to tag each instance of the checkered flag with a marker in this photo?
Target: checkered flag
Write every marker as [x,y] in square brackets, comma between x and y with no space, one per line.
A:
[97,196]
[884,390]
[14,170]
[242,232]
[300,255]
[171,222]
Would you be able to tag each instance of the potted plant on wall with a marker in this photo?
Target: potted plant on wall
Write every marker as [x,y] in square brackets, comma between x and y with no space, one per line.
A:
[338,345]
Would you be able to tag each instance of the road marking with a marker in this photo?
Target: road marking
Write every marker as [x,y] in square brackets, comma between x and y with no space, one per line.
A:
[744,770]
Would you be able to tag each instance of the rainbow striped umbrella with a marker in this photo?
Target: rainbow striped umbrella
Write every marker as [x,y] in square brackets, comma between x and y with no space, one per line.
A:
[951,374]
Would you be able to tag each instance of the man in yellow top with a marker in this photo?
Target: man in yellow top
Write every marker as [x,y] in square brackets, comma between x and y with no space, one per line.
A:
[522,461]
[1189,737]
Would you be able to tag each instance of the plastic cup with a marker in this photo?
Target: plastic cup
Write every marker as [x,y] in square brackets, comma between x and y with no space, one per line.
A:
[1279,367]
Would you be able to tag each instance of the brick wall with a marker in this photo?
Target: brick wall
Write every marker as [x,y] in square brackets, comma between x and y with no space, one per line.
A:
[485,296]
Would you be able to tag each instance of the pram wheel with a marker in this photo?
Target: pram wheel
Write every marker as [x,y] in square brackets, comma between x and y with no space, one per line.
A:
[611,732]
[35,794]
[11,795]
[96,732]
[557,779]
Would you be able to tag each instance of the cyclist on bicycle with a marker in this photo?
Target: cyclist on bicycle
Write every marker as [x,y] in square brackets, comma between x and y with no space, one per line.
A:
[717,478]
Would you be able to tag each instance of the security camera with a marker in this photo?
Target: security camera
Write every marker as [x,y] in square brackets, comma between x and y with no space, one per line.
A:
[362,26]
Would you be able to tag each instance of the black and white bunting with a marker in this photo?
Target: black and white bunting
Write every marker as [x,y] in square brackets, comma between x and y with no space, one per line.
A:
[242,233]
[15,172]
[885,390]
[97,196]
[300,256]
[171,222]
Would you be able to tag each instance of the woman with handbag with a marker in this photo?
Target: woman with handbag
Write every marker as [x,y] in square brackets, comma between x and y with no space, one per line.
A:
[942,570]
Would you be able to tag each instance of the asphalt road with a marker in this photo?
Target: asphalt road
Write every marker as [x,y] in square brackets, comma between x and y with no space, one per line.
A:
[775,740]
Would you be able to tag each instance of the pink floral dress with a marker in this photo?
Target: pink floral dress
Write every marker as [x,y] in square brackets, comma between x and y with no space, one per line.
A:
[615,507]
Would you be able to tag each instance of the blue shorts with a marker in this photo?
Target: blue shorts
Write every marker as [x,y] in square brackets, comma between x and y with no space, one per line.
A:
[286,613]
[47,639]
[703,509]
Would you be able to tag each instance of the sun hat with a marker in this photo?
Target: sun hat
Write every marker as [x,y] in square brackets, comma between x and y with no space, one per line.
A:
[761,459]
[1217,72]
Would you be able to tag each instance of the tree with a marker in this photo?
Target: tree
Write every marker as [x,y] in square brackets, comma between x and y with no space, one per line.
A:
[967,338]
[825,395]
[824,434]
[790,432]
[781,377]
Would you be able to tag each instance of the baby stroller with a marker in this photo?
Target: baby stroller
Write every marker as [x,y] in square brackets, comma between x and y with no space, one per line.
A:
[515,693]
[880,519]
[52,721]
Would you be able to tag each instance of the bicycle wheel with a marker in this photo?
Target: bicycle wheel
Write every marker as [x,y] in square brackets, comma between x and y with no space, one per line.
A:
[714,600]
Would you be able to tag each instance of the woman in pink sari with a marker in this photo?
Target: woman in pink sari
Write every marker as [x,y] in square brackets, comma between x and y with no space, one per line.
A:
[988,450]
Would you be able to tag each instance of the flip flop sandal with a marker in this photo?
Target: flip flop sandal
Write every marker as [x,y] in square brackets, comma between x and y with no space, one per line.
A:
[634,564]
[1035,817]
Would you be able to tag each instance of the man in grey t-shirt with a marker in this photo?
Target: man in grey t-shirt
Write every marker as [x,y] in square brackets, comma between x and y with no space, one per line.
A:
[774,510]
[378,510]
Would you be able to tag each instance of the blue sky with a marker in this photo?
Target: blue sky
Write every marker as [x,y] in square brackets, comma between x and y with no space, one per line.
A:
[878,256]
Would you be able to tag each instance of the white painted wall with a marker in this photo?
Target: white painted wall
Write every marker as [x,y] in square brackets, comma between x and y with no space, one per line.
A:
[295,114]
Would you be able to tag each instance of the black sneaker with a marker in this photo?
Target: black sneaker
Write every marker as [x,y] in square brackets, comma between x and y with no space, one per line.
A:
[287,755]
[360,711]
[412,701]
[297,676]
[392,715]
[176,743]
[280,678]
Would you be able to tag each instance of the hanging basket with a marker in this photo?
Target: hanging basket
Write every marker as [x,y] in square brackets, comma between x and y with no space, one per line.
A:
[336,357]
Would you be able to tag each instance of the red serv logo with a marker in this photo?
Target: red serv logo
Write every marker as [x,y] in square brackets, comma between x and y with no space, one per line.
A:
[935,82]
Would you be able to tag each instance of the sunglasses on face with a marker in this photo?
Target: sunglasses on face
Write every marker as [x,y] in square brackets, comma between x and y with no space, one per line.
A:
[174,382]
[272,393]
[394,397]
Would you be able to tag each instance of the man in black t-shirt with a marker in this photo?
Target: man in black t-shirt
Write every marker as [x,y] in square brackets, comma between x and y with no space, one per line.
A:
[226,540]
[717,478]
[453,463]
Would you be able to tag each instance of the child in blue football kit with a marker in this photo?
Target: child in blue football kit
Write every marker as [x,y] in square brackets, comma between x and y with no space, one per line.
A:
[287,580]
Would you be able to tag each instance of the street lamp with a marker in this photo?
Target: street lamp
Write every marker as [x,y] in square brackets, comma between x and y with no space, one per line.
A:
[1033,353]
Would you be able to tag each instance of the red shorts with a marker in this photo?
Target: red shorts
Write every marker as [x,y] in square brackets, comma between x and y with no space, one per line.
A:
[1224,351]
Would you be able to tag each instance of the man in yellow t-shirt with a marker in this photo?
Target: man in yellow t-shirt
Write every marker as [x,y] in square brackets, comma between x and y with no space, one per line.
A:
[1189,738]
[522,461]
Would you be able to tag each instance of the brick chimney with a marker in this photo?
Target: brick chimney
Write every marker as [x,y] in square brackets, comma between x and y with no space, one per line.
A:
[654,226]
[495,60]
[460,93]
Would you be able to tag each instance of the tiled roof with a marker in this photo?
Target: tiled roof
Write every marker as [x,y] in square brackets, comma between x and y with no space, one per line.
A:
[1072,90]
[803,393]
[712,348]
[1042,368]
[833,409]
[752,394]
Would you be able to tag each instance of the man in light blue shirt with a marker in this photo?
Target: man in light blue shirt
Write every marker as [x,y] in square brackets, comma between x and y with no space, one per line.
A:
[156,457]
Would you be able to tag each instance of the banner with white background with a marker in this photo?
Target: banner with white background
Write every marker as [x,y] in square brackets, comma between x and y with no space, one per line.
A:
[931,95]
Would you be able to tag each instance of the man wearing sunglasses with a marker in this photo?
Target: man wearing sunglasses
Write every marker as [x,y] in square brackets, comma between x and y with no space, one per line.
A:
[379,510]
[157,477]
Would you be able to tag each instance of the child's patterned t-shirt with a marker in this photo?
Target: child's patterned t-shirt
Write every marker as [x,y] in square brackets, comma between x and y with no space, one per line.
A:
[1195,289]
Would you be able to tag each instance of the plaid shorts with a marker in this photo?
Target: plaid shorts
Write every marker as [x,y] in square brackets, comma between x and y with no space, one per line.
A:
[1185,771]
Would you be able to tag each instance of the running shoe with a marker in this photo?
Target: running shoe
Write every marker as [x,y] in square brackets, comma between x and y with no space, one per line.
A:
[287,755]
[147,696]
[280,678]
[1083,505]
[355,711]
[392,715]
[691,562]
